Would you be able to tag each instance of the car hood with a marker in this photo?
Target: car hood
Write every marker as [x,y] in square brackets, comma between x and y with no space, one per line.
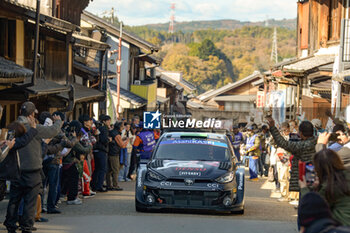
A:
[190,169]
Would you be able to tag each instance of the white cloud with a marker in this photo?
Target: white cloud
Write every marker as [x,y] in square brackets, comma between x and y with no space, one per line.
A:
[138,12]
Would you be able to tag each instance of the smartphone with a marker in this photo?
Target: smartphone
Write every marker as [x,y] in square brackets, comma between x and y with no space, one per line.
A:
[310,175]
[10,135]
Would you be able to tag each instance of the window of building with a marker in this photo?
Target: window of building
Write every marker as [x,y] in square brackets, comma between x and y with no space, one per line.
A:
[303,24]
[335,14]
[8,39]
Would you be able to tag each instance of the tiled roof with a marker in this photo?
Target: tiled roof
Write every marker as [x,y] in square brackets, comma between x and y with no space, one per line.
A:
[306,64]
[11,72]
[133,39]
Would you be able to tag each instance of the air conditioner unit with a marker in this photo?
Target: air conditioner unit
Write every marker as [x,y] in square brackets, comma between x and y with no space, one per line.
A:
[137,82]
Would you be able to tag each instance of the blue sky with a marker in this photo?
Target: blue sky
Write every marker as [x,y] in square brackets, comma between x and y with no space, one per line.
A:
[139,12]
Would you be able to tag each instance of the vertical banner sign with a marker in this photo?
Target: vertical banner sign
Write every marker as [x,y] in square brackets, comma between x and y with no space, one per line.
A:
[335,85]
[260,99]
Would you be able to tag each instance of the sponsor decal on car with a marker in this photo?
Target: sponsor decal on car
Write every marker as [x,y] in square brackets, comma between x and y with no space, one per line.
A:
[213,185]
[194,141]
[182,173]
[190,169]
[166,183]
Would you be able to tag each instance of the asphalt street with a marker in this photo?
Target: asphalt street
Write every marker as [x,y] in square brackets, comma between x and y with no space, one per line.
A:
[115,212]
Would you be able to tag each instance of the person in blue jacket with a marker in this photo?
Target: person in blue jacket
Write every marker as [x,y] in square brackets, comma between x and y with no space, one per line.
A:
[145,142]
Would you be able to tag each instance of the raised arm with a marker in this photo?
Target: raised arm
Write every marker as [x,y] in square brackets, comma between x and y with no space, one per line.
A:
[25,139]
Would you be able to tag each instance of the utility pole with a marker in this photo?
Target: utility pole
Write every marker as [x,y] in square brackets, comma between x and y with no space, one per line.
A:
[274,54]
[36,41]
[119,64]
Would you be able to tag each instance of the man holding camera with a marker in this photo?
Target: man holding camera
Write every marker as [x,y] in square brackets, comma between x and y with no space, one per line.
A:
[28,185]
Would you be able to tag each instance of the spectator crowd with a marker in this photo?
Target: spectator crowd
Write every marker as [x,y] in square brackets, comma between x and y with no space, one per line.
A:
[47,160]
[309,167]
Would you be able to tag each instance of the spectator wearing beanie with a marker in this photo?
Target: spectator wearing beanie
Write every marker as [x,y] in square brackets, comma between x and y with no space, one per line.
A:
[315,216]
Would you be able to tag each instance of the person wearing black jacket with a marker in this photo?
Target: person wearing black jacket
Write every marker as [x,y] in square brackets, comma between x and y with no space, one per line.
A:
[100,154]
[10,170]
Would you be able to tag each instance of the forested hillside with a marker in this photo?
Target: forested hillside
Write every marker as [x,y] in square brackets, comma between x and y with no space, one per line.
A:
[211,58]
[227,24]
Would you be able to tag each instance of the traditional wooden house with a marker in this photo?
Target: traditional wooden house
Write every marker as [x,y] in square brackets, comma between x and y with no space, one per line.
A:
[54,86]
[234,102]
[310,75]
[137,67]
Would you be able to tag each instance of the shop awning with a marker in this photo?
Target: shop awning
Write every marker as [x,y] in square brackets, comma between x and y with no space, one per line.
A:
[10,72]
[307,64]
[87,42]
[84,94]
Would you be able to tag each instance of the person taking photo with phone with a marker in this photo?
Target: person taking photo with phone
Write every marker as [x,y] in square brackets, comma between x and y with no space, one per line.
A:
[332,183]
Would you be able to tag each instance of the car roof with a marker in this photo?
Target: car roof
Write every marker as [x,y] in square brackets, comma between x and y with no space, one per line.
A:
[195,135]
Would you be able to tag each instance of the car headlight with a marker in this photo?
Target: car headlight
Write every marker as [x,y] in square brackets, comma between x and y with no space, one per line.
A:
[154,176]
[226,178]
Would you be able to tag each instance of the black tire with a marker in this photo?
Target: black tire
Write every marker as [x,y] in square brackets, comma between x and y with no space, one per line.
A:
[140,208]
[238,212]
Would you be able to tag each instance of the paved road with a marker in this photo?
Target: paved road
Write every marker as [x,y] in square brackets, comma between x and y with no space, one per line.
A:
[115,212]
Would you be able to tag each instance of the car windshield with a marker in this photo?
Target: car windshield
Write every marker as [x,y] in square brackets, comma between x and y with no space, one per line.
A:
[193,149]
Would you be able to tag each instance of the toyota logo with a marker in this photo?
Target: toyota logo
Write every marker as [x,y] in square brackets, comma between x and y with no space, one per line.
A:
[189,182]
